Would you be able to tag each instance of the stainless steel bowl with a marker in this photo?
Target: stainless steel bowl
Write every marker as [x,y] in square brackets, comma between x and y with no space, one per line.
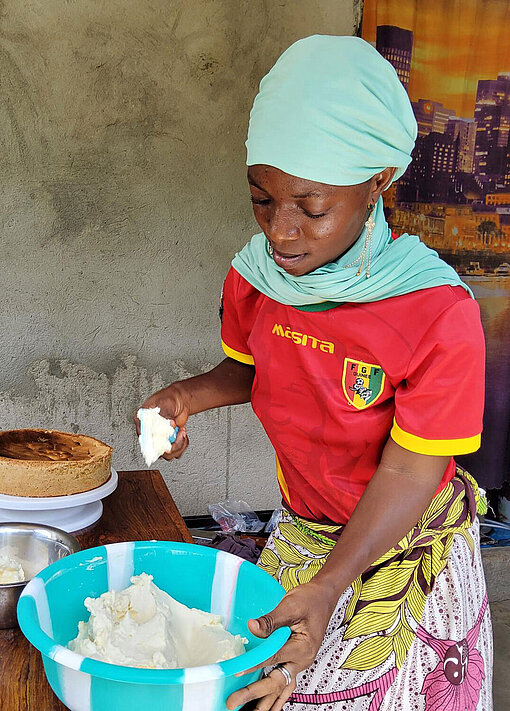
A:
[36,547]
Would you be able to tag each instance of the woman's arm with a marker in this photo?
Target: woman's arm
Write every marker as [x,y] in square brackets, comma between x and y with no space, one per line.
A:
[394,500]
[229,383]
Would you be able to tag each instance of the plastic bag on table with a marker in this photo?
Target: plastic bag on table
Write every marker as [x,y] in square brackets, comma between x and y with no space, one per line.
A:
[273,521]
[235,516]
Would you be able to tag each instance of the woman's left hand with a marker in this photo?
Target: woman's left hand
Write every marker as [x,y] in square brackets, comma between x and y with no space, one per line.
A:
[307,610]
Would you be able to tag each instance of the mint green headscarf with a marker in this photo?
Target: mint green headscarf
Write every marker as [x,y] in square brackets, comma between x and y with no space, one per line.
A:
[333,110]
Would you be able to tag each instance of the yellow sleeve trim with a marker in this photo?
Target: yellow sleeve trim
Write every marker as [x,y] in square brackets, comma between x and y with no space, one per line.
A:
[236,355]
[438,447]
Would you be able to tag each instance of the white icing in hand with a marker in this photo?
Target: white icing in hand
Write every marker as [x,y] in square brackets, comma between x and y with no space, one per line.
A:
[142,626]
[155,433]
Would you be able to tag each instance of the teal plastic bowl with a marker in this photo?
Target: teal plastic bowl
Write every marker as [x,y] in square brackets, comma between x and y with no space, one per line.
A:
[52,604]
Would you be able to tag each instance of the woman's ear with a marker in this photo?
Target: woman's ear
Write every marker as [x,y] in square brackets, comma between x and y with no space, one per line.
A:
[381,181]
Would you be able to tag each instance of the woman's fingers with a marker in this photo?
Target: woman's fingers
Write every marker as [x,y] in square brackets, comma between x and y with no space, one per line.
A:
[266,704]
[270,686]
[294,650]
[300,610]
[172,407]
[281,700]
[137,423]
[286,614]
[272,691]
[298,648]
[296,654]
[179,446]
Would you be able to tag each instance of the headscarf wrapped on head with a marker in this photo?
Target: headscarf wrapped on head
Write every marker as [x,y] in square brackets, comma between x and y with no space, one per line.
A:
[333,110]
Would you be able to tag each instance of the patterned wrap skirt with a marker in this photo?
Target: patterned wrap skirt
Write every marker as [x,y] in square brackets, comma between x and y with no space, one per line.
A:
[413,632]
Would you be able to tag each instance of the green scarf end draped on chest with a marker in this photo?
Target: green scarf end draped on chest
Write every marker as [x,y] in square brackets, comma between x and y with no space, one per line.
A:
[398,267]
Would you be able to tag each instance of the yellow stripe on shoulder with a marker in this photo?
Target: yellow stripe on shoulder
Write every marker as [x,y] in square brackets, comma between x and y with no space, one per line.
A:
[437,447]
[236,355]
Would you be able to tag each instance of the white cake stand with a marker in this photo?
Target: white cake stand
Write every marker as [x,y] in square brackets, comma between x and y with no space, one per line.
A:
[69,513]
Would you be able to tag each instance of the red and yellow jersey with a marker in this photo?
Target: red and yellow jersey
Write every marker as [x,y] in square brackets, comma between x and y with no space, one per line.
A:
[331,386]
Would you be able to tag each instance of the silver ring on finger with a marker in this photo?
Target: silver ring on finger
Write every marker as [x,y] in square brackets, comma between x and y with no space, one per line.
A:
[286,673]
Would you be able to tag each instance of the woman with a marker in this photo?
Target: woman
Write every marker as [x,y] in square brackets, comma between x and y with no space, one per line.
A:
[363,357]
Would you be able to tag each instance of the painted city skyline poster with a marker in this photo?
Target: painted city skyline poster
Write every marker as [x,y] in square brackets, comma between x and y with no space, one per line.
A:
[453,57]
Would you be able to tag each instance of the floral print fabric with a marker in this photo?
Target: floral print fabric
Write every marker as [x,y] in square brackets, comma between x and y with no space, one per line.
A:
[413,632]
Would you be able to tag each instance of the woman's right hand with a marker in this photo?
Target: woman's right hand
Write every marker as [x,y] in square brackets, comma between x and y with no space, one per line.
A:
[229,383]
[173,405]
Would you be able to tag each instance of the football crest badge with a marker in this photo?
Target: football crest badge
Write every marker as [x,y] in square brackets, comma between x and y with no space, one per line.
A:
[362,382]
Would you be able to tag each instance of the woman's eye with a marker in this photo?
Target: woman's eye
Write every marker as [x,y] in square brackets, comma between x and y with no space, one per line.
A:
[313,216]
[260,201]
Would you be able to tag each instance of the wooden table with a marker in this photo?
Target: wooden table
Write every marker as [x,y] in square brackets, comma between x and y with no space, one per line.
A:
[140,509]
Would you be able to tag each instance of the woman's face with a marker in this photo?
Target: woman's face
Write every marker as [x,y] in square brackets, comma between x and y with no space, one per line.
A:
[309,224]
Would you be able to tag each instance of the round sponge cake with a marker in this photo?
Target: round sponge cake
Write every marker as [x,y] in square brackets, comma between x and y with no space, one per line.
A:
[37,463]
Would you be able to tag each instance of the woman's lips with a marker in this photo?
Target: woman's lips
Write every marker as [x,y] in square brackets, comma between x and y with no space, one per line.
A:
[287,260]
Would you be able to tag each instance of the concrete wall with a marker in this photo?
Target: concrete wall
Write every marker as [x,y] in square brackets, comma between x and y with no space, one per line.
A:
[123,199]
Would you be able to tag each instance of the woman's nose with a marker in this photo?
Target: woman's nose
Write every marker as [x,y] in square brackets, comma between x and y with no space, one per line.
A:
[281,226]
